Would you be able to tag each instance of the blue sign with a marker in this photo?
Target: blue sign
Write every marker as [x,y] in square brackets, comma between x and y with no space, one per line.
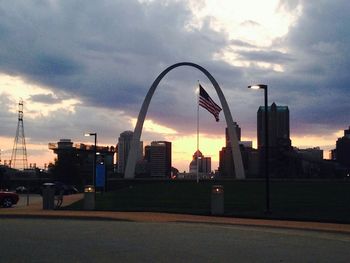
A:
[100,175]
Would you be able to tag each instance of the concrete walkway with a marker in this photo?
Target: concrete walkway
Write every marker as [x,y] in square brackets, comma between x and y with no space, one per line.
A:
[35,210]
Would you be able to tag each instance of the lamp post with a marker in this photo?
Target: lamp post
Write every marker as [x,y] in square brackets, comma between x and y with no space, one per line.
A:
[94,164]
[266,146]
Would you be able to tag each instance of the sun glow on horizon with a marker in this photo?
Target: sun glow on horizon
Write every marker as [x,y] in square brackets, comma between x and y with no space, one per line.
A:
[255,24]
[324,142]
[184,146]
[37,153]
[152,126]
[16,88]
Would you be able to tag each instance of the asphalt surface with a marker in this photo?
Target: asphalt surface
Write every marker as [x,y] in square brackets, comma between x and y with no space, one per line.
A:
[76,240]
[31,234]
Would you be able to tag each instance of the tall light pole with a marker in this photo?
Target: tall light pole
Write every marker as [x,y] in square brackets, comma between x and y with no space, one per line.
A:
[94,164]
[266,146]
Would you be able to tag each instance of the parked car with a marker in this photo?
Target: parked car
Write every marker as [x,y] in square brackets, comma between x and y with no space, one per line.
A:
[70,189]
[8,199]
[61,188]
[21,189]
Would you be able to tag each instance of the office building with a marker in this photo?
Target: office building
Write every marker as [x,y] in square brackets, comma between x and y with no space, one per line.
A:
[158,155]
[250,163]
[124,143]
[279,140]
[343,149]
[311,154]
[308,162]
[278,130]
[204,164]
[238,133]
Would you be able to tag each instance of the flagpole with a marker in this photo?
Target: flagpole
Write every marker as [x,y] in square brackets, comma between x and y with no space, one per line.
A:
[197,152]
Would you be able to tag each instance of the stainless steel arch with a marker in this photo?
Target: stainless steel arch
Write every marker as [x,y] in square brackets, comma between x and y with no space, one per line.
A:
[135,143]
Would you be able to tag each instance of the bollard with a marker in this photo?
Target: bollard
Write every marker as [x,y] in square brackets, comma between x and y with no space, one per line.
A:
[217,200]
[89,197]
[48,196]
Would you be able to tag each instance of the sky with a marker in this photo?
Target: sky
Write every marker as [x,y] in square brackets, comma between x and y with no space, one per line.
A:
[85,66]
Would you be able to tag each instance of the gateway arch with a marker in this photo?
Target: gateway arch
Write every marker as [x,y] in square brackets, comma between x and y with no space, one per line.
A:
[135,143]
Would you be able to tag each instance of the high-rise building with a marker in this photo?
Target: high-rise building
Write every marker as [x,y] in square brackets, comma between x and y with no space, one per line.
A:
[226,166]
[124,143]
[347,133]
[280,148]
[312,154]
[238,133]
[343,149]
[158,154]
[204,163]
[278,126]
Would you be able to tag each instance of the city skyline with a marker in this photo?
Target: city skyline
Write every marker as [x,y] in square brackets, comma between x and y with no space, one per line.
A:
[79,74]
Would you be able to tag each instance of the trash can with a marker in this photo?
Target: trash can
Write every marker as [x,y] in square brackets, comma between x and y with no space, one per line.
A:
[89,197]
[48,196]
[217,200]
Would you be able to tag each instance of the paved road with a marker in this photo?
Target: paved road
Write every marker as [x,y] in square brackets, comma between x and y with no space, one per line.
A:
[66,240]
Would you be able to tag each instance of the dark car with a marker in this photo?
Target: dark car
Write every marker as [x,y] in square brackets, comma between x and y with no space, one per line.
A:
[66,189]
[21,189]
[7,199]
[61,188]
[70,189]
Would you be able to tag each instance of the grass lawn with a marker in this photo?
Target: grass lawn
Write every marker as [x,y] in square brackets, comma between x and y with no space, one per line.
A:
[317,201]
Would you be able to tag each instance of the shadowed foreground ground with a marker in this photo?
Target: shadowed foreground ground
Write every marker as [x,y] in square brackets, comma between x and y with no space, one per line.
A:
[53,240]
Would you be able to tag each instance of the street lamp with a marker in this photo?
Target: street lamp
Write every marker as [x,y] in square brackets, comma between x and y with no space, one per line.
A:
[94,164]
[266,146]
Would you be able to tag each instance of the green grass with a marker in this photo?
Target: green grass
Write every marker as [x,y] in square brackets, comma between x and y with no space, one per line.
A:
[318,201]
[324,201]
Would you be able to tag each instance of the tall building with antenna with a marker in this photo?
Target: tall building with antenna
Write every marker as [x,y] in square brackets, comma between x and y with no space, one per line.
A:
[19,150]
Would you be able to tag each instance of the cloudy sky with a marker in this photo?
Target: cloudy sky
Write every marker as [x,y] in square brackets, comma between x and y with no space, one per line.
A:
[84,65]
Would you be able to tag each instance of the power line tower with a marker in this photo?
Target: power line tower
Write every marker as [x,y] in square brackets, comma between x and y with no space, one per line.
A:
[19,151]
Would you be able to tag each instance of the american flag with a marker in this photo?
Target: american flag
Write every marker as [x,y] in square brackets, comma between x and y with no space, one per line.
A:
[207,103]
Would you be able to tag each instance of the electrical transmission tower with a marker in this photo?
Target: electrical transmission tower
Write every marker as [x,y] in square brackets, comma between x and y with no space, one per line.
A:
[19,151]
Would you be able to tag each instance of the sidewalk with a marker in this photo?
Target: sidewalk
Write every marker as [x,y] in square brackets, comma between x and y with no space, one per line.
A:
[35,210]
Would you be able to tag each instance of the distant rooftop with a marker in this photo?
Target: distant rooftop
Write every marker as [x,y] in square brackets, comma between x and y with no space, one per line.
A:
[127,133]
[273,105]
[67,144]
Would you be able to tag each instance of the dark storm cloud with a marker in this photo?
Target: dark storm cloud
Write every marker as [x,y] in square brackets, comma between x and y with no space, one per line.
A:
[52,64]
[110,48]
[318,76]
[265,56]
[315,80]
[108,53]
[44,98]
[240,43]
[8,119]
